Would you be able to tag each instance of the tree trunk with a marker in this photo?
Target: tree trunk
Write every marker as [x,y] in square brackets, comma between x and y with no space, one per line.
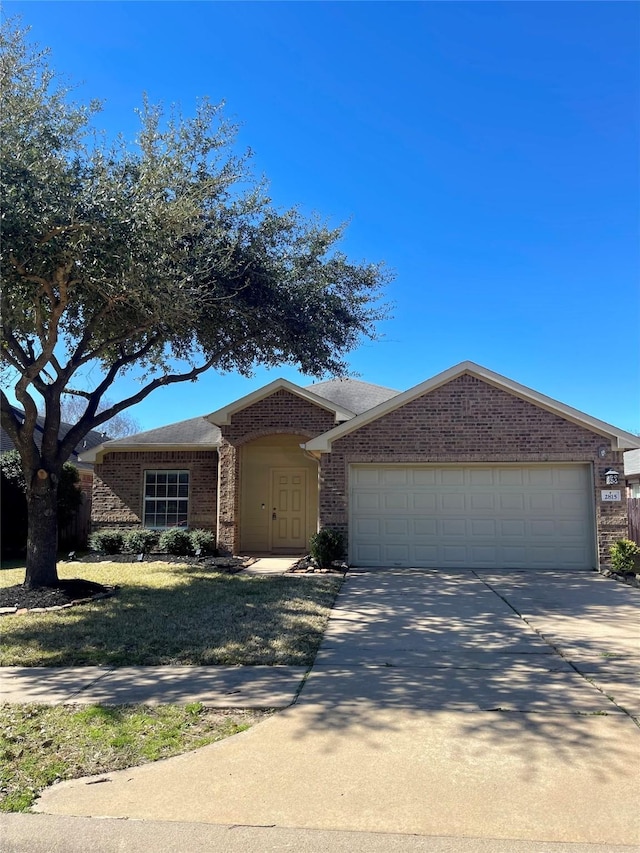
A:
[42,536]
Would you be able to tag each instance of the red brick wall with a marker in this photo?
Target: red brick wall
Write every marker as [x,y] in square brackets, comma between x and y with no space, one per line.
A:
[279,413]
[468,420]
[119,482]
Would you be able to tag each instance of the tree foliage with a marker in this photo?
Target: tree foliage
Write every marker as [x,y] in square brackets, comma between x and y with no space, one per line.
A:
[161,256]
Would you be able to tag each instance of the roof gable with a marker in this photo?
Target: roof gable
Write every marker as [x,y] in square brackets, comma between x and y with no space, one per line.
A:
[222,417]
[619,438]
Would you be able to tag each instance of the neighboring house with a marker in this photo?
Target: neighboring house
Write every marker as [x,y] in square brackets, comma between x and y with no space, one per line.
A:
[78,529]
[632,481]
[632,473]
[467,469]
[91,440]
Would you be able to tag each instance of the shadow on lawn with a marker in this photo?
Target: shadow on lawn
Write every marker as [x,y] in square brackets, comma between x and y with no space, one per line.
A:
[201,620]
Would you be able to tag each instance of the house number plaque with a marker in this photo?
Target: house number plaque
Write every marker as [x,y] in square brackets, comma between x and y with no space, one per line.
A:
[611,495]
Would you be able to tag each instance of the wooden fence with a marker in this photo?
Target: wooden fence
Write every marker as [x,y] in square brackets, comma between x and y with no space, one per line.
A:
[76,533]
[633,508]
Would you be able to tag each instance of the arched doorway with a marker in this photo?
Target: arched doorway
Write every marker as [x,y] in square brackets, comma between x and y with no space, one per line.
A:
[278,495]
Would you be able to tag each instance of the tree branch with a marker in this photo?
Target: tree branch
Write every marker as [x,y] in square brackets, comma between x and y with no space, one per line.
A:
[79,431]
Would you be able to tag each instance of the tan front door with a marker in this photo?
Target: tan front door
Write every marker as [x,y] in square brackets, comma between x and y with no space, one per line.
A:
[288,509]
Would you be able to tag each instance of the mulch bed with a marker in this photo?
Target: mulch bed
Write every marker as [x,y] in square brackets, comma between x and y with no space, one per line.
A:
[66,592]
[630,580]
[306,566]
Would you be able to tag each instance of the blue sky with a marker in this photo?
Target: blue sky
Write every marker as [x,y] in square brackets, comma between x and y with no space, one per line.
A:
[488,152]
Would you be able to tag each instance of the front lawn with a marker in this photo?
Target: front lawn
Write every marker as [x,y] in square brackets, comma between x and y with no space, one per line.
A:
[41,745]
[173,614]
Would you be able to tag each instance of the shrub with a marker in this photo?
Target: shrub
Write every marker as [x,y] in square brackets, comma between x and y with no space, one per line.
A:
[625,557]
[203,539]
[107,541]
[140,540]
[175,541]
[327,546]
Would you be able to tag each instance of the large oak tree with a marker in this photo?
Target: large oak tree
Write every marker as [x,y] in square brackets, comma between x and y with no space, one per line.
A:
[160,256]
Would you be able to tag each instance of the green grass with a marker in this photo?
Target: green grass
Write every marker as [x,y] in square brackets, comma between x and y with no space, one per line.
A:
[41,745]
[173,614]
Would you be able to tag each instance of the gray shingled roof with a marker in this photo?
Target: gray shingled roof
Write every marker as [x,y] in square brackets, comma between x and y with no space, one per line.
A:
[352,394]
[92,439]
[192,431]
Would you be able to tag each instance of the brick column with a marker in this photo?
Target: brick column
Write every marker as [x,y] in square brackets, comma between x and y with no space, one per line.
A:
[228,531]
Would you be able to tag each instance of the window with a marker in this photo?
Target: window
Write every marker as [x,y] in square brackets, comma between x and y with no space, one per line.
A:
[166,498]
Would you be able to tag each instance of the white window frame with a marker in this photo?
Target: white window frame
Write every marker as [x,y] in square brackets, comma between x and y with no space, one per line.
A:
[165,497]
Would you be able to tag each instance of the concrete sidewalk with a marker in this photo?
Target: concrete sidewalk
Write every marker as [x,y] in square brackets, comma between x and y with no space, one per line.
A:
[434,708]
[61,834]
[215,686]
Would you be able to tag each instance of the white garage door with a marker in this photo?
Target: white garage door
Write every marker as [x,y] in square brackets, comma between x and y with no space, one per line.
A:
[538,516]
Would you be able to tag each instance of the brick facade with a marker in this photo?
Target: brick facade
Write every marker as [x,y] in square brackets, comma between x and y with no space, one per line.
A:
[119,482]
[468,420]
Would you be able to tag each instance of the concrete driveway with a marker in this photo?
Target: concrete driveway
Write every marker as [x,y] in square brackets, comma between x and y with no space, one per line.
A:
[480,704]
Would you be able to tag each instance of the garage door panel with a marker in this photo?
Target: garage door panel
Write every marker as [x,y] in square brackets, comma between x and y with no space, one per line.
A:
[424,476]
[454,527]
[396,554]
[483,500]
[452,476]
[367,477]
[454,555]
[513,555]
[541,501]
[425,527]
[570,528]
[511,527]
[569,502]
[396,527]
[541,477]
[368,526]
[367,501]
[570,478]
[481,476]
[493,516]
[395,477]
[511,502]
[426,502]
[543,528]
[509,477]
[426,553]
[482,527]
[452,501]
[484,555]
[368,554]
[396,500]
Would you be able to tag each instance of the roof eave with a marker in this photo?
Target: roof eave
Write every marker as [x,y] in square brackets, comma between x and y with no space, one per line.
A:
[96,454]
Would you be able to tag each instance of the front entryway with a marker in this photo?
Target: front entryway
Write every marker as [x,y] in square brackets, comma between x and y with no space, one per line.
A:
[278,496]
